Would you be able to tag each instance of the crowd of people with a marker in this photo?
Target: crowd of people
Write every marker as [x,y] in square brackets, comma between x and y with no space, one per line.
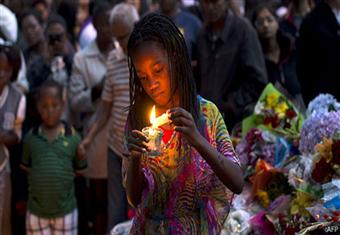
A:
[79,78]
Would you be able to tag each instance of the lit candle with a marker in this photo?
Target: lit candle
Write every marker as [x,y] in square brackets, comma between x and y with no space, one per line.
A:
[154,133]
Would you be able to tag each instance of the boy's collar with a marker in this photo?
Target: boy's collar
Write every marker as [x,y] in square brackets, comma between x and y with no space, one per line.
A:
[61,131]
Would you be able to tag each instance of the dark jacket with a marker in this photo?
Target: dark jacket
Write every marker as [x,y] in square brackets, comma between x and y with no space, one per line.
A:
[318,64]
[283,74]
[232,68]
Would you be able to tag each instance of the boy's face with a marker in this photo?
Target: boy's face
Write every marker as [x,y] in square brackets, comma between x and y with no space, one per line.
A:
[5,71]
[50,106]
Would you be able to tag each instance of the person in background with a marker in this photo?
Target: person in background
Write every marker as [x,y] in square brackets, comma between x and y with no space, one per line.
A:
[68,10]
[87,32]
[280,56]
[12,115]
[57,65]
[186,188]
[188,24]
[8,36]
[298,9]
[33,32]
[112,110]
[318,48]
[43,7]
[86,84]
[51,158]
[231,63]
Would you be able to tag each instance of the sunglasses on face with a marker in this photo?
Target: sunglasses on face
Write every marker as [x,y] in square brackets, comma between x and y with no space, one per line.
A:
[54,37]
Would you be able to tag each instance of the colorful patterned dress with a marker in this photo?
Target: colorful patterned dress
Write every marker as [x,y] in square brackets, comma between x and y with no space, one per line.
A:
[183,195]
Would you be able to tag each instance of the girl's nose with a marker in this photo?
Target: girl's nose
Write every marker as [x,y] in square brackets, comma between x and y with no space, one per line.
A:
[154,84]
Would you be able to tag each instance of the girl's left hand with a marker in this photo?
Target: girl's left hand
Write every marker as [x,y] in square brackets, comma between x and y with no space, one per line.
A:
[185,124]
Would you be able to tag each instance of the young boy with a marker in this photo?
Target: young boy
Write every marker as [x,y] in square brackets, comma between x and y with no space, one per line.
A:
[51,157]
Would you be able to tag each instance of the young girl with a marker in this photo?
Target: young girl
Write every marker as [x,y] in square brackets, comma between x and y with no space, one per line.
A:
[279,53]
[12,114]
[185,189]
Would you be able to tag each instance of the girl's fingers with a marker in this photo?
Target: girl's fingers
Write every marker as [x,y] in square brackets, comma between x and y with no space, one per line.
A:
[133,147]
[179,112]
[137,141]
[182,129]
[181,121]
[139,135]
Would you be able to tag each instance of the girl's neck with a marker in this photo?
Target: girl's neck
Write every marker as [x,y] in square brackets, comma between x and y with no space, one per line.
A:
[272,49]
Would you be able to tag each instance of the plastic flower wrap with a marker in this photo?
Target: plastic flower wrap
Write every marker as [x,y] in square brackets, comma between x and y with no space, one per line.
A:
[317,127]
[326,160]
[299,170]
[323,103]
[331,196]
[268,183]
[257,144]
[274,112]
[237,223]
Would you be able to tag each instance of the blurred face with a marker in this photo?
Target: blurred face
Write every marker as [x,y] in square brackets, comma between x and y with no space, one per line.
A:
[32,30]
[50,106]
[56,37]
[167,5]
[135,3]
[103,27]
[152,66]
[121,31]
[213,10]
[5,71]
[266,24]
[43,10]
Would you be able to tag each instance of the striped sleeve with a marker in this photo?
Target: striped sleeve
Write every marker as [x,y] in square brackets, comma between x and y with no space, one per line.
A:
[223,141]
[107,94]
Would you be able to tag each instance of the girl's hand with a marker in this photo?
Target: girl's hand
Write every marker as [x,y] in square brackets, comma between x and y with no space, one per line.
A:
[185,124]
[137,144]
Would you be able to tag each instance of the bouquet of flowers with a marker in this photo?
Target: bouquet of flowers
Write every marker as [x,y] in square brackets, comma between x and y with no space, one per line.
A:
[269,183]
[257,144]
[323,103]
[317,127]
[274,112]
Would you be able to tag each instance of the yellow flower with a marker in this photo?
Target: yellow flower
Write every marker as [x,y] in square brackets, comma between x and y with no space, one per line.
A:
[263,198]
[281,109]
[301,202]
[271,100]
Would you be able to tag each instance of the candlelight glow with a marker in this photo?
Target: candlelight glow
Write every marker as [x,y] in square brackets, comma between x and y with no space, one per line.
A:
[153,117]
[160,120]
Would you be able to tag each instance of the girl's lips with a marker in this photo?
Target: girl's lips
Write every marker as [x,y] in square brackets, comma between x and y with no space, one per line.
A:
[157,94]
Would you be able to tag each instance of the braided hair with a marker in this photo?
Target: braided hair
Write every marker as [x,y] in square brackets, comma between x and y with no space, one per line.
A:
[158,28]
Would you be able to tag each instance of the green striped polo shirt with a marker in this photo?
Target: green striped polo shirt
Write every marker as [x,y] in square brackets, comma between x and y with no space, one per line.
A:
[51,172]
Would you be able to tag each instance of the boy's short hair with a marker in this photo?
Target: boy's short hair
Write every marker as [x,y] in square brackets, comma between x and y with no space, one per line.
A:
[50,83]
[56,19]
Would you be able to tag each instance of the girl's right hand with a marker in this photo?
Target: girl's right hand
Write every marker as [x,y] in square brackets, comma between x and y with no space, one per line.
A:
[137,143]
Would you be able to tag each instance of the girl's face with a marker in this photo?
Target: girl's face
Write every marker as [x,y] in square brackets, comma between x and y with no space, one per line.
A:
[152,66]
[266,24]
[5,71]
[50,106]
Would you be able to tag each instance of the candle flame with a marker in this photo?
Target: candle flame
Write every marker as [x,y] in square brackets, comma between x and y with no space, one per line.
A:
[153,117]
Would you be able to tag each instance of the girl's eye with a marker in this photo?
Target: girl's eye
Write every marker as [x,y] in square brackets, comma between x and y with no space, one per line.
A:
[142,78]
[158,70]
